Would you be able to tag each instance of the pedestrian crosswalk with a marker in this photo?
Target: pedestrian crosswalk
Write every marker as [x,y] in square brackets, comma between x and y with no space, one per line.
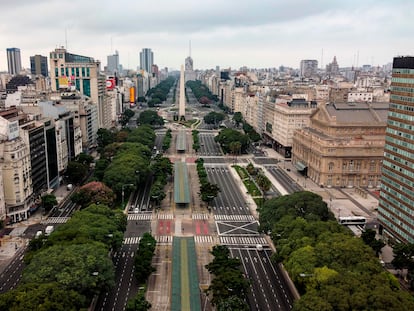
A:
[242,240]
[55,220]
[234,218]
[204,239]
[164,239]
[132,240]
[199,216]
[140,216]
[165,216]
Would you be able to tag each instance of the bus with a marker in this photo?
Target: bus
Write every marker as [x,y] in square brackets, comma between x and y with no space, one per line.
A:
[352,220]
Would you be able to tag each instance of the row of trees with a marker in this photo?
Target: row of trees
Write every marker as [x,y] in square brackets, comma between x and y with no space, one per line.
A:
[126,116]
[65,270]
[331,268]
[201,92]
[196,140]
[150,117]
[228,285]
[208,191]
[260,178]
[158,94]
[161,169]
[214,118]
[232,141]
[167,140]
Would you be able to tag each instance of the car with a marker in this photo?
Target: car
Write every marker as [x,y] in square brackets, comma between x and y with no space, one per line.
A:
[259,247]
[136,210]
[144,207]
[39,233]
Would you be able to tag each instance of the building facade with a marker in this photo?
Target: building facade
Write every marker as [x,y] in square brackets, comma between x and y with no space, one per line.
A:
[146,59]
[38,65]
[14,61]
[343,145]
[113,64]
[396,204]
[308,68]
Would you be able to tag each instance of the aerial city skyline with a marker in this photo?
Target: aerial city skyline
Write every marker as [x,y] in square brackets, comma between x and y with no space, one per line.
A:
[230,34]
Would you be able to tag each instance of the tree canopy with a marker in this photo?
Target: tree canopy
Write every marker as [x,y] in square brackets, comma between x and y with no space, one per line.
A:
[150,117]
[228,137]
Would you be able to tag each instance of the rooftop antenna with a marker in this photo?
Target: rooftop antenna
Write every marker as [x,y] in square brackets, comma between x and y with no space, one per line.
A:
[322,59]
[66,38]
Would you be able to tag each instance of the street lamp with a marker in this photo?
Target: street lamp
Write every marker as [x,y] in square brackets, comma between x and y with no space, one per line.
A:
[123,192]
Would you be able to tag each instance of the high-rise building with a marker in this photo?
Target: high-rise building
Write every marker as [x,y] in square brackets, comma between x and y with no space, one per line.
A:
[71,71]
[14,61]
[396,203]
[146,59]
[38,65]
[308,68]
[113,63]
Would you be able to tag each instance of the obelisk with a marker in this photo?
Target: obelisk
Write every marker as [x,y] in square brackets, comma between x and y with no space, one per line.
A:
[181,104]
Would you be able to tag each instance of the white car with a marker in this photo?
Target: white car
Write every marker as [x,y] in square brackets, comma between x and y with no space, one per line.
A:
[136,210]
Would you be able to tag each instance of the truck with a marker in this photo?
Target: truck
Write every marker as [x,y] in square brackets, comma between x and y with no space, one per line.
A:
[49,230]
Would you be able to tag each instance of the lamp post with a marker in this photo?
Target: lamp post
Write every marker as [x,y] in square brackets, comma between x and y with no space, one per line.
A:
[123,192]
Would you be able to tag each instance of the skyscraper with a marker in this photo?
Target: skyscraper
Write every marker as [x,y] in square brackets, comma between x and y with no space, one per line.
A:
[113,63]
[146,60]
[38,65]
[396,204]
[14,61]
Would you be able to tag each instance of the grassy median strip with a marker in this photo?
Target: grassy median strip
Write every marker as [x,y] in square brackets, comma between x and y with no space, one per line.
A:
[185,286]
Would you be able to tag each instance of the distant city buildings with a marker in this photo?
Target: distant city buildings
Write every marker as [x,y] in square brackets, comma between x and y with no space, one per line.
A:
[146,60]
[38,65]
[14,61]
[396,204]
[308,68]
[112,67]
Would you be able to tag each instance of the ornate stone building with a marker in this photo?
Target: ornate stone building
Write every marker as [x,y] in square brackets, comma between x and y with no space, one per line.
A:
[343,145]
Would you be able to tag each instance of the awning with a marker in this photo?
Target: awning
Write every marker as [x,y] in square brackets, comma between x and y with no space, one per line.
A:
[300,166]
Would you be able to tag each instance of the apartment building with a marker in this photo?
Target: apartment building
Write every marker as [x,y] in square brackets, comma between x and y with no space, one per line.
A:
[343,145]
[396,204]
[70,71]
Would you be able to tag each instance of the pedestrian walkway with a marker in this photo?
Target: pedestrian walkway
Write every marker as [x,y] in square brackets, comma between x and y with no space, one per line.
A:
[204,239]
[132,240]
[200,216]
[240,240]
[234,218]
[165,216]
[164,239]
[54,220]
[135,217]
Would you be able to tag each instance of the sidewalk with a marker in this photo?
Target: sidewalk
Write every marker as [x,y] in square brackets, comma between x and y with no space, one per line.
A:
[13,242]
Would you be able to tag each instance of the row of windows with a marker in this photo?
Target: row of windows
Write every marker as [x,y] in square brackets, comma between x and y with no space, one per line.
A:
[394,141]
[397,168]
[393,193]
[399,133]
[403,71]
[401,116]
[402,89]
[388,171]
[402,80]
[56,55]
[396,229]
[395,206]
[400,224]
[73,72]
[400,124]
[407,99]
[401,152]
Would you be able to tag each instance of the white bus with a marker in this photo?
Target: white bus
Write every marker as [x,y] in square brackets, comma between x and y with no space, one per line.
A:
[353,220]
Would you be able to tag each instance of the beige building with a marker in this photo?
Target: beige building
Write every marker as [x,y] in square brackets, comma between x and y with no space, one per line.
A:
[70,71]
[343,145]
[16,172]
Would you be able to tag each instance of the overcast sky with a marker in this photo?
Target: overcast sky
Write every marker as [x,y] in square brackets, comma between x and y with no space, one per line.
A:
[228,33]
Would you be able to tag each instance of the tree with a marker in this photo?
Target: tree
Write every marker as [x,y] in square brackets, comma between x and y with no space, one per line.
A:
[49,201]
[85,159]
[368,236]
[238,118]
[85,268]
[233,303]
[150,117]
[105,137]
[76,172]
[214,117]
[204,101]
[263,182]
[138,303]
[208,191]
[94,192]
[228,136]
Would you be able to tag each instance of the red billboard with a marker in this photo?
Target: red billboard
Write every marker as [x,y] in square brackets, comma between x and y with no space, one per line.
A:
[110,83]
